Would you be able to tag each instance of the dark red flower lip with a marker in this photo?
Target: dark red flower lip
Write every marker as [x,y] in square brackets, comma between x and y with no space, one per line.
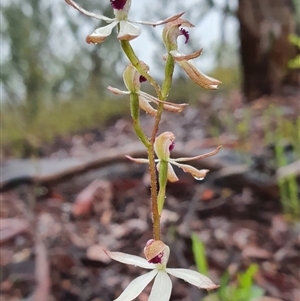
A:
[142,79]
[118,4]
[156,259]
[171,147]
[185,33]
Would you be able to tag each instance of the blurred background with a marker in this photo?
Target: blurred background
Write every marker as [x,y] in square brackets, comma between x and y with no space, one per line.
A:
[55,106]
[52,82]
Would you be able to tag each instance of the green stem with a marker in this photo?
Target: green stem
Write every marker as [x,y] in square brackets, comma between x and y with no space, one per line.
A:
[136,63]
[150,146]
[154,204]
[166,87]
[157,200]
[169,69]
[135,114]
[163,172]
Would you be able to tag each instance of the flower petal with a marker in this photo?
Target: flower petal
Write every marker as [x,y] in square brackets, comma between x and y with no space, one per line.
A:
[196,75]
[162,287]
[144,104]
[166,255]
[130,259]
[193,278]
[101,33]
[153,250]
[198,174]
[209,154]
[181,57]
[87,13]
[171,174]
[176,108]
[131,77]
[117,91]
[162,145]
[168,106]
[170,19]
[136,286]
[128,31]
[138,160]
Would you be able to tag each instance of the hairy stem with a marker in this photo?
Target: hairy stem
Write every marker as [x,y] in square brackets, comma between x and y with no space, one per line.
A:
[154,205]
[150,146]
[157,200]
[169,69]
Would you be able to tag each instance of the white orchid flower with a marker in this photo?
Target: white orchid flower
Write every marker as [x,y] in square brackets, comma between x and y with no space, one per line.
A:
[127,29]
[157,255]
[163,146]
[170,34]
[132,80]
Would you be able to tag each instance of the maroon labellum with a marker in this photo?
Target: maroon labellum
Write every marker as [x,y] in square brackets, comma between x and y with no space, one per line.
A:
[156,259]
[185,33]
[172,145]
[118,4]
[142,79]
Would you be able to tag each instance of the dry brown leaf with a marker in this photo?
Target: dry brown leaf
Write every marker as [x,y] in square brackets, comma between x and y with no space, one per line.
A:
[10,227]
[256,252]
[84,200]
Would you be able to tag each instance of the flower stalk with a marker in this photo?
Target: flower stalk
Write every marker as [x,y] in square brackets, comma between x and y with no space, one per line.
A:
[135,114]
[157,199]
[159,146]
[136,63]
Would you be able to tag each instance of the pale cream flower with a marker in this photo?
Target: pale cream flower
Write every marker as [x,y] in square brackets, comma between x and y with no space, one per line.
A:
[132,80]
[127,28]
[163,146]
[170,34]
[157,255]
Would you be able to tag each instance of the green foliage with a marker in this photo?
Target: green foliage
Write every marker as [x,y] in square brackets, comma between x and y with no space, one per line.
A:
[276,129]
[42,64]
[51,79]
[288,186]
[295,62]
[287,131]
[242,289]
[198,248]
[56,119]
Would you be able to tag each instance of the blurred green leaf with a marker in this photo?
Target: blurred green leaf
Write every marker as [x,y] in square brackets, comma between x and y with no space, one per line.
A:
[198,248]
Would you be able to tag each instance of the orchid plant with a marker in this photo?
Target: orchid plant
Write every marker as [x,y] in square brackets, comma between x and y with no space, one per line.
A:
[160,146]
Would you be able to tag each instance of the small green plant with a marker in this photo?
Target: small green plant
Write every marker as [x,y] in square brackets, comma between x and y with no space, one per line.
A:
[285,132]
[278,130]
[288,188]
[198,249]
[242,289]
